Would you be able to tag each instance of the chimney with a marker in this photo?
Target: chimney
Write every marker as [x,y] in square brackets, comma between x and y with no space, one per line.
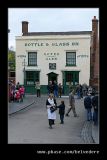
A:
[94,61]
[95,26]
[24,27]
[94,32]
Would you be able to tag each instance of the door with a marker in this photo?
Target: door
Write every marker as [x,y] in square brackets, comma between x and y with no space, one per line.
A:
[52,77]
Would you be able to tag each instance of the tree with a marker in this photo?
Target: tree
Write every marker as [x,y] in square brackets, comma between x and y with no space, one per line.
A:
[11,60]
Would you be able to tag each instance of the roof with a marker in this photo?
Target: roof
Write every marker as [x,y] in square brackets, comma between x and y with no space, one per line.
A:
[57,33]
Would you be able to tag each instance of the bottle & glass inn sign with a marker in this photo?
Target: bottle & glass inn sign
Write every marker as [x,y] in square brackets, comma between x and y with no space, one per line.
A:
[56,44]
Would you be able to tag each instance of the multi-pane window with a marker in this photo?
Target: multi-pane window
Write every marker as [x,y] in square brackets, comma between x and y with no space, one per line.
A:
[32,58]
[76,78]
[12,73]
[69,77]
[32,77]
[71,58]
[72,76]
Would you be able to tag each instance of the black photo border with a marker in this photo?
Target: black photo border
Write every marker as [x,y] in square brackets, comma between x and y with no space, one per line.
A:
[31,149]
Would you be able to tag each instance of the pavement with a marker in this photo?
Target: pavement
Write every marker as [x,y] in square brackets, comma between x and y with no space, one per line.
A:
[95,133]
[14,107]
[89,134]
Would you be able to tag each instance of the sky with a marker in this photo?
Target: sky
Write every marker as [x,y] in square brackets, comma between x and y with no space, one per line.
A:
[49,20]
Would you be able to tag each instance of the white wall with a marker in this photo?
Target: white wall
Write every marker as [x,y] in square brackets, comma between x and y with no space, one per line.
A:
[83,64]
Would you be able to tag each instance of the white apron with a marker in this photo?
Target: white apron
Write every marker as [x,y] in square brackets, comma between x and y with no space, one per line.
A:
[53,114]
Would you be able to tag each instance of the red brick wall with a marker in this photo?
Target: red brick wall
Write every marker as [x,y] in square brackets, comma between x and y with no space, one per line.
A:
[24,27]
[94,55]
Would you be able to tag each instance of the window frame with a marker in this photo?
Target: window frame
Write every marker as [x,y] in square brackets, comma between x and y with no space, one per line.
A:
[32,76]
[32,59]
[72,60]
[52,66]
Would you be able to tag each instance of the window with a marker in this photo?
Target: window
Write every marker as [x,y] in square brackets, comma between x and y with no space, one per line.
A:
[69,77]
[71,58]
[76,78]
[32,58]
[32,77]
[72,76]
[12,74]
[52,65]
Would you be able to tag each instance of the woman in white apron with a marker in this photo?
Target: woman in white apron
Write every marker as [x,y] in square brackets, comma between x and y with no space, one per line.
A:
[51,115]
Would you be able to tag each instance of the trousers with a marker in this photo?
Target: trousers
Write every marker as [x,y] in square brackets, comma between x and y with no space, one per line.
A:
[73,109]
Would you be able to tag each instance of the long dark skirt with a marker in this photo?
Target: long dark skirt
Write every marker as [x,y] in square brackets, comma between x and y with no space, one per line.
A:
[51,122]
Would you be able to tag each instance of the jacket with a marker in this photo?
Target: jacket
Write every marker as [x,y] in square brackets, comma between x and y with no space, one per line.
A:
[95,102]
[87,102]
[71,99]
[61,109]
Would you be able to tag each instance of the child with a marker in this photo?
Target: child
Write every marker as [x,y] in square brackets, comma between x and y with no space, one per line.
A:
[61,111]
[17,96]
[21,91]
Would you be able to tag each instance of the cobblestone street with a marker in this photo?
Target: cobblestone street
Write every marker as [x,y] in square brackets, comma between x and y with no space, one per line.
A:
[30,126]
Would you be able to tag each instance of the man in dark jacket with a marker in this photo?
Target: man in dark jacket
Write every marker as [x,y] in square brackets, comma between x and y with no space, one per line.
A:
[95,106]
[88,107]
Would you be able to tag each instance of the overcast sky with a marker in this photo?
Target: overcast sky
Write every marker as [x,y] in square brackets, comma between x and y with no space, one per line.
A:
[49,20]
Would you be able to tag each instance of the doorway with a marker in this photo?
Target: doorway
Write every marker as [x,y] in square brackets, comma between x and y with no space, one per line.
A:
[52,77]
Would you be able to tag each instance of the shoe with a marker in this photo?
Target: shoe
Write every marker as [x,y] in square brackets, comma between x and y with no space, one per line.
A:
[67,115]
[61,122]
[50,127]
[76,115]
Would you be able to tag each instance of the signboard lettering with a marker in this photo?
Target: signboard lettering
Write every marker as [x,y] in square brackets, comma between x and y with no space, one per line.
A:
[57,44]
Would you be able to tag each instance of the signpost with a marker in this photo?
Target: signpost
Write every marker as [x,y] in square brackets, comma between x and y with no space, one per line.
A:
[24,64]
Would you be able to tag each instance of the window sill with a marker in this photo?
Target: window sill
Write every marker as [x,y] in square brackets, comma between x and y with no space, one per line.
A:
[32,66]
[70,66]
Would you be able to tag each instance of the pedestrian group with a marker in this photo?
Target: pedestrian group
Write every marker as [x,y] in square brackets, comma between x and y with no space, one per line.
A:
[83,91]
[16,93]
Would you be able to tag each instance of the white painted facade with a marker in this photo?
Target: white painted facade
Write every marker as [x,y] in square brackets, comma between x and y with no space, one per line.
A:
[43,45]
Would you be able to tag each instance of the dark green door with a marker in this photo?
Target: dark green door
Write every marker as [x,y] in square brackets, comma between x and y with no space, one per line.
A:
[52,77]
[70,76]
[31,78]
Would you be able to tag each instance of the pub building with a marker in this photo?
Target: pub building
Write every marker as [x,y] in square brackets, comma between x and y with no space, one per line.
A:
[52,56]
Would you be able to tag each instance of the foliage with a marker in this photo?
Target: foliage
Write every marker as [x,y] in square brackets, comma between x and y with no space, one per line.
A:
[11,60]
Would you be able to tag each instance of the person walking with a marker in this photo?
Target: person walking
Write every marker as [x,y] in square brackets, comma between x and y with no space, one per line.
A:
[17,86]
[94,101]
[88,107]
[22,92]
[38,88]
[84,89]
[60,90]
[55,89]
[61,111]
[13,88]
[93,91]
[72,104]
[49,87]
[78,91]
[90,90]
[81,91]
[51,107]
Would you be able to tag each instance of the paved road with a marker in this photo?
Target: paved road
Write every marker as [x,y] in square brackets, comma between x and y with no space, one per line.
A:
[14,107]
[31,126]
